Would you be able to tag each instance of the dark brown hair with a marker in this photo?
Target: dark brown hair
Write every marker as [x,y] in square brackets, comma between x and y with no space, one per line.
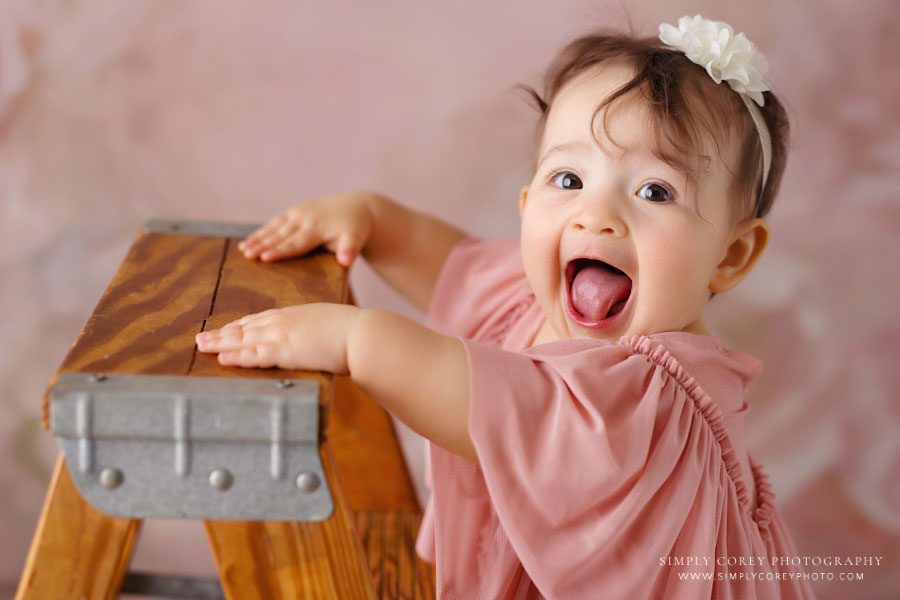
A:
[687,107]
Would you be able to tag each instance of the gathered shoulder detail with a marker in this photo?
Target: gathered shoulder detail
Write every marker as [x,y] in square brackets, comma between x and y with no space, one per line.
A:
[765,508]
[712,415]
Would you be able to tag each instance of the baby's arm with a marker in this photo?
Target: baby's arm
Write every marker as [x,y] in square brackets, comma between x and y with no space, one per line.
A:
[420,376]
[405,247]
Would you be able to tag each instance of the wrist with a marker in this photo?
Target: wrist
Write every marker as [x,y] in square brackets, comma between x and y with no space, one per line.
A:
[378,207]
[353,340]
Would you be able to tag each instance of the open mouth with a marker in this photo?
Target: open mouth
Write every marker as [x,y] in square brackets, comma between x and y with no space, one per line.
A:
[597,291]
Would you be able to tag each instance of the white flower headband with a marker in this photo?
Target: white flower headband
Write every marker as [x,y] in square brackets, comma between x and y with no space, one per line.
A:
[726,57]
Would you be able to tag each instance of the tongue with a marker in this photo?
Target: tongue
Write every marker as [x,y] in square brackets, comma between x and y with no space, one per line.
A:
[596,290]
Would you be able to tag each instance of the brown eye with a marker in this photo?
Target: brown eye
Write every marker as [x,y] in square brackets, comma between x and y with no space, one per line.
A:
[654,192]
[567,181]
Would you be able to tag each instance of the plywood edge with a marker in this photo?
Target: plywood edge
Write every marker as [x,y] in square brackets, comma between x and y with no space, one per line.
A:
[87,354]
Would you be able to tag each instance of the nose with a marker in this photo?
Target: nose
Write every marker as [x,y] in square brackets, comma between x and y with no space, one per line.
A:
[601,214]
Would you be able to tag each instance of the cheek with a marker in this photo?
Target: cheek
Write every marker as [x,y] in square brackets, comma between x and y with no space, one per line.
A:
[679,265]
[540,248]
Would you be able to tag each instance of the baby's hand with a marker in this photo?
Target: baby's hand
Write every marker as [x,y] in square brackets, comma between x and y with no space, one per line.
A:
[342,224]
[310,337]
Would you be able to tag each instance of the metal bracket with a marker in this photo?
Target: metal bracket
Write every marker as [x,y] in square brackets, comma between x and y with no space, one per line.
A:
[201,228]
[198,447]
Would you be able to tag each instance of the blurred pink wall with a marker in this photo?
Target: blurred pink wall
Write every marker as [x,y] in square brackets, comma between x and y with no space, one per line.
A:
[114,112]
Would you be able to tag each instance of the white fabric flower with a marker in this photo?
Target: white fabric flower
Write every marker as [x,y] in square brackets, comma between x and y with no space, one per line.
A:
[725,56]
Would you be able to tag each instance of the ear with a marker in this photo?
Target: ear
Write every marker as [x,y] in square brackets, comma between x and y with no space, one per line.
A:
[523,195]
[748,240]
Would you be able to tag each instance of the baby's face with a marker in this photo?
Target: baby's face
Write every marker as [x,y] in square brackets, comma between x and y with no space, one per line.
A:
[591,207]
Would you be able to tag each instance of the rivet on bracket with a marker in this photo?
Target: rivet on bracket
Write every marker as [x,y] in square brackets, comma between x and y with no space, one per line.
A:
[221,479]
[307,482]
[111,478]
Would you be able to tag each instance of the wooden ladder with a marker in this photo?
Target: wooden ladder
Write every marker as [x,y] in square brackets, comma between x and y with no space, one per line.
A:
[169,287]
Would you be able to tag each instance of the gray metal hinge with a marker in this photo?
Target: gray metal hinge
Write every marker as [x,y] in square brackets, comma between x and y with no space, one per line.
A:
[199,447]
[201,228]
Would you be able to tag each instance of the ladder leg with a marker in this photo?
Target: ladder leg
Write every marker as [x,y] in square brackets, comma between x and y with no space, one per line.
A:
[77,551]
[269,560]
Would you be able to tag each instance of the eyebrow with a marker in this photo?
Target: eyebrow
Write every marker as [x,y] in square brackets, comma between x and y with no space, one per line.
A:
[583,146]
[567,147]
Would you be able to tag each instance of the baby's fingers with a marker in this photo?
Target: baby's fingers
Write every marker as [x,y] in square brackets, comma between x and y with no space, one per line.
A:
[299,242]
[253,242]
[230,337]
[258,355]
[256,319]
[269,239]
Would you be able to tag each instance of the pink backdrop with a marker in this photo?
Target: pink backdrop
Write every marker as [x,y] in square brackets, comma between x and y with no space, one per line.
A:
[114,112]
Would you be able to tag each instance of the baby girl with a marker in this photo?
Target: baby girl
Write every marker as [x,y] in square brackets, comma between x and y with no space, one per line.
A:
[585,429]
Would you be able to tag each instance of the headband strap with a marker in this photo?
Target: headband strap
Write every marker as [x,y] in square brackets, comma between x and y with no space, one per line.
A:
[726,57]
[765,139]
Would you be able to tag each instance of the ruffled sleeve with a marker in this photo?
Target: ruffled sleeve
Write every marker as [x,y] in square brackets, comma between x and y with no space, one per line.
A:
[604,460]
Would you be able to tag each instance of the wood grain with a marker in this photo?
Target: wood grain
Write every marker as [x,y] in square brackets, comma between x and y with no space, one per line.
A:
[247,287]
[146,320]
[250,286]
[368,456]
[388,539]
[77,552]
[273,560]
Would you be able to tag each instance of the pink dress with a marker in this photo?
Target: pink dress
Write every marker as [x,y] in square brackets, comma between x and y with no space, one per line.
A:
[605,470]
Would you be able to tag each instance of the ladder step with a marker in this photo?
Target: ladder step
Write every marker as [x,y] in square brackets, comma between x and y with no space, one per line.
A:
[172,586]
